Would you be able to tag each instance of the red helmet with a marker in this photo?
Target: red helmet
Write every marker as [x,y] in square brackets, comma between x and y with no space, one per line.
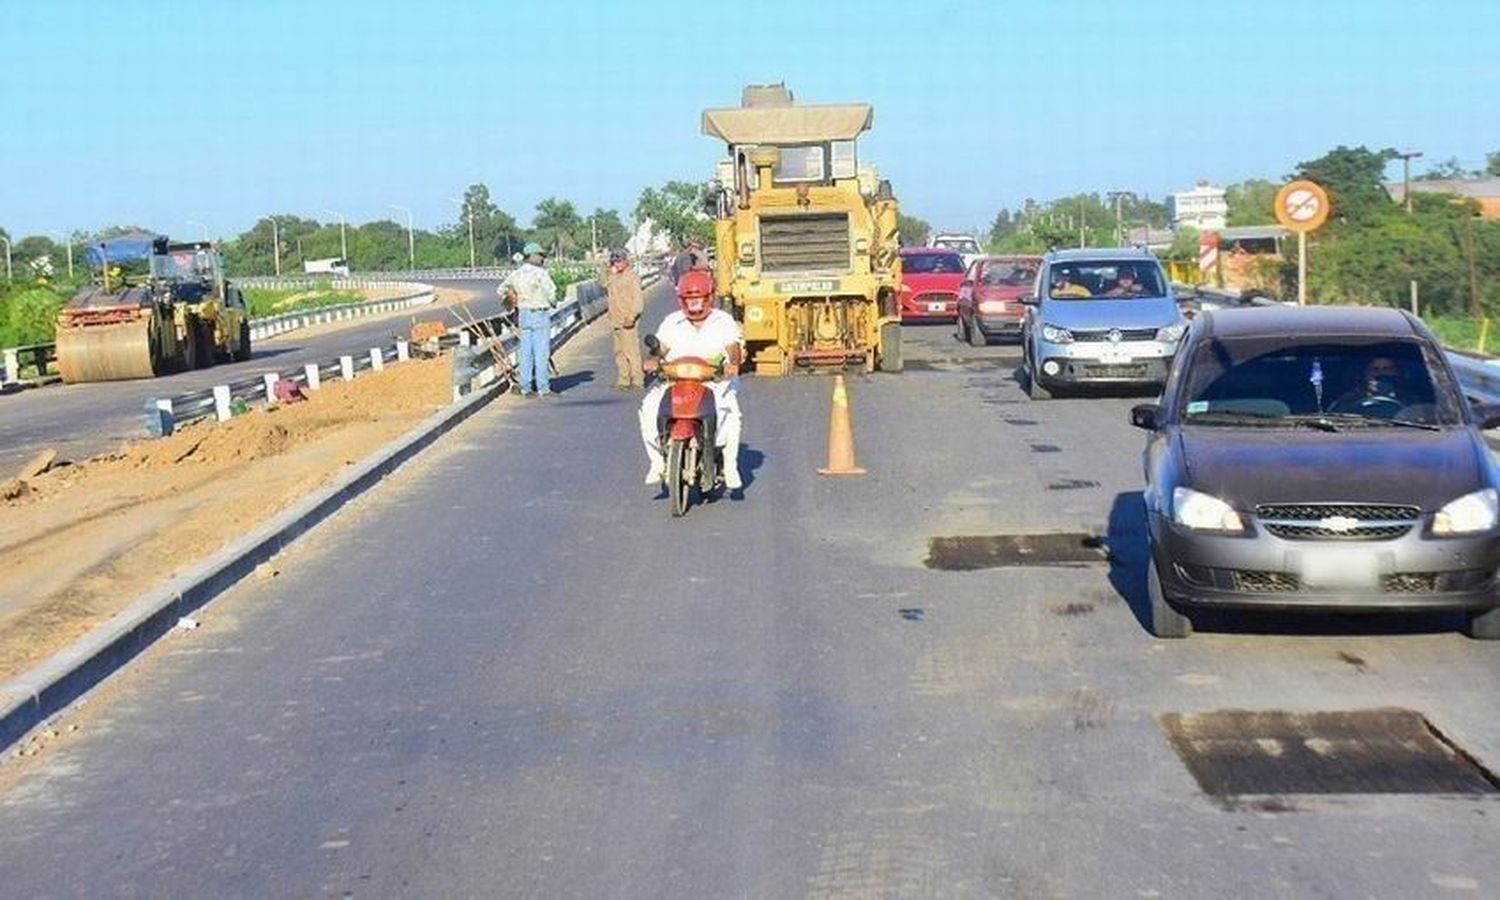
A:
[695,293]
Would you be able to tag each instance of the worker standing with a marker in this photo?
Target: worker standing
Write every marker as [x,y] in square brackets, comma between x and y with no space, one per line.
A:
[531,290]
[692,257]
[626,304]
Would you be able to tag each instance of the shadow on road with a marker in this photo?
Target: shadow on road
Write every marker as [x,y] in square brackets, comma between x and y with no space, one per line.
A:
[1127,575]
[562,383]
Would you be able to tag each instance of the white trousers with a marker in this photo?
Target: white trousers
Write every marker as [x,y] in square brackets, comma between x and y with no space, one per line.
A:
[726,433]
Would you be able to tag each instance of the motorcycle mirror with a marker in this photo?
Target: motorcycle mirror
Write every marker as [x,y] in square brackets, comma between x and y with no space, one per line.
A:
[653,344]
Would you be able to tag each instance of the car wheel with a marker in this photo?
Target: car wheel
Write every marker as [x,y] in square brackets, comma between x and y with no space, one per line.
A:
[1034,388]
[1484,626]
[1165,621]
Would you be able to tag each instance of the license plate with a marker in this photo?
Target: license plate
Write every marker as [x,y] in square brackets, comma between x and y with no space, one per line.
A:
[806,287]
[1114,355]
[1334,568]
[936,307]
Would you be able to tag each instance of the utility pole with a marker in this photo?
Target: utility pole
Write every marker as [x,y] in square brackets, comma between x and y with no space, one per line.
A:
[1476,306]
[1406,159]
[343,237]
[594,228]
[468,214]
[275,243]
[67,240]
[1118,197]
[411,238]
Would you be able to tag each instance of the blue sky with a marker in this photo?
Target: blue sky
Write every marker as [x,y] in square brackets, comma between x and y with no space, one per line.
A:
[158,113]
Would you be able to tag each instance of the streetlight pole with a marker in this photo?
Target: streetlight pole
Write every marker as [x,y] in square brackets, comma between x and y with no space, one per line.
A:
[468,214]
[1118,196]
[1406,159]
[68,241]
[275,243]
[343,237]
[411,238]
[199,225]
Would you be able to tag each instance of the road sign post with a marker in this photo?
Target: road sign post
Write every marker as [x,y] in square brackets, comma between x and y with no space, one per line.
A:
[1302,206]
[1208,256]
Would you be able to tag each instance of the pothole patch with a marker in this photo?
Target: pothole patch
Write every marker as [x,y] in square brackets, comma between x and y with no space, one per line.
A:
[1237,753]
[964,553]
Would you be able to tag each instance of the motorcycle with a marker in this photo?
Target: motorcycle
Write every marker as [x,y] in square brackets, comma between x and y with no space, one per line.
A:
[686,423]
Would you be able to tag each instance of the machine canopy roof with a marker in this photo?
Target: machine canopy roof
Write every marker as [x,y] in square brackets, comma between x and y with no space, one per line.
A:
[788,124]
[125,248]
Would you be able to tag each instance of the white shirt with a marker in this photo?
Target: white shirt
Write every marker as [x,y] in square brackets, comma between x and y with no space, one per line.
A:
[710,341]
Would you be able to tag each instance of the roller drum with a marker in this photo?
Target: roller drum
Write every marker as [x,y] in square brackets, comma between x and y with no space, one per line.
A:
[112,352]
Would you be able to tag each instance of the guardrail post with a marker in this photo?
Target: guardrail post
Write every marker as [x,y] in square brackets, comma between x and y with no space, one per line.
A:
[12,367]
[221,402]
[465,338]
[270,379]
[314,376]
[346,367]
[403,351]
[377,359]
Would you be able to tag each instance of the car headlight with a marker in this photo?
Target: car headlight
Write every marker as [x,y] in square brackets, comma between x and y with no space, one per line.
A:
[1202,512]
[1170,333]
[1054,335]
[1468,514]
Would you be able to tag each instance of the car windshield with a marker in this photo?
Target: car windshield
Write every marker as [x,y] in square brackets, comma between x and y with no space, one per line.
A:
[1095,280]
[1007,272]
[1332,382]
[932,264]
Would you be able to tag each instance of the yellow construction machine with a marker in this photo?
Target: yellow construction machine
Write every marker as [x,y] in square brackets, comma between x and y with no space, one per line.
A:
[805,237]
[180,314]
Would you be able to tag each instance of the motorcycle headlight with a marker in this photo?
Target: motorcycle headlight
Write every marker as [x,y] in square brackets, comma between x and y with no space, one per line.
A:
[1054,335]
[1203,512]
[1170,333]
[1468,514]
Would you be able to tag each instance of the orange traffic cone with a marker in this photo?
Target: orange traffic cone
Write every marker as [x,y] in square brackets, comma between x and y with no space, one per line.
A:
[840,435]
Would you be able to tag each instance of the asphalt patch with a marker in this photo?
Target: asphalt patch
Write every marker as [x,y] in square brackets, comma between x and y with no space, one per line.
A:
[1017,421]
[1235,753]
[1045,448]
[911,615]
[966,553]
[1072,484]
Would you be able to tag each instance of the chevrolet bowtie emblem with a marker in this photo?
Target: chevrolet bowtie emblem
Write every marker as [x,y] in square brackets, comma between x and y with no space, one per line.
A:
[1338,523]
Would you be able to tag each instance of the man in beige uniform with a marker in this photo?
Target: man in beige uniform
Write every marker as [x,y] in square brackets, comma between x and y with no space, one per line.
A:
[626,304]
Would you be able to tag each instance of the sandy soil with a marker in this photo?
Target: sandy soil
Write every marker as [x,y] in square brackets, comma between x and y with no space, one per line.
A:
[80,542]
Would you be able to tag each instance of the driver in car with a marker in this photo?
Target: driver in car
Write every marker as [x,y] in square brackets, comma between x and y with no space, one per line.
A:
[1383,385]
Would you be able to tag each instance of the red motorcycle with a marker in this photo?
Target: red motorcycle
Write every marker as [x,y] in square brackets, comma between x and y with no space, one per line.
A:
[686,423]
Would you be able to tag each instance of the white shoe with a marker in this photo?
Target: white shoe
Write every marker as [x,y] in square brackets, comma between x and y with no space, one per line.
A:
[732,479]
[654,476]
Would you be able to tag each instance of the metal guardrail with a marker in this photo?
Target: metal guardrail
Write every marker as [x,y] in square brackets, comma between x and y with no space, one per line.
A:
[456,274]
[585,302]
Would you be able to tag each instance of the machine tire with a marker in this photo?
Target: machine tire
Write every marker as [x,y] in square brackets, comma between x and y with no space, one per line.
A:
[1165,621]
[1483,626]
[242,352]
[976,336]
[679,491]
[891,359]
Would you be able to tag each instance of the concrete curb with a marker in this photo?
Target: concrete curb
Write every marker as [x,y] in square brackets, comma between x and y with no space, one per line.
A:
[29,699]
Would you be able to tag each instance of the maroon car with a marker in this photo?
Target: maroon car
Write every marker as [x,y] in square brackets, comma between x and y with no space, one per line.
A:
[930,277]
[989,298]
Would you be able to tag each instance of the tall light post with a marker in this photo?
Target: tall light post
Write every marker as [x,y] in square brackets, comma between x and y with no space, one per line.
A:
[275,243]
[343,236]
[1406,159]
[411,238]
[68,242]
[468,214]
[1117,197]
[199,225]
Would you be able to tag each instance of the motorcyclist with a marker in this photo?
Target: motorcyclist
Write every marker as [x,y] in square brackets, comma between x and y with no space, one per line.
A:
[698,329]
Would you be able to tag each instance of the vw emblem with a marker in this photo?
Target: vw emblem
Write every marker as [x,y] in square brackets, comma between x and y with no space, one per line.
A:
[1340,524]
[1115,335]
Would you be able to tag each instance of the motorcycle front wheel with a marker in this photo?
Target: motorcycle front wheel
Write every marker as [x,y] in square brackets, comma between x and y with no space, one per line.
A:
[679,480]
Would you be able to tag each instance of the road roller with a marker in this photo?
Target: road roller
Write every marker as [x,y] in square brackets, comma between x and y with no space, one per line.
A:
[180,314]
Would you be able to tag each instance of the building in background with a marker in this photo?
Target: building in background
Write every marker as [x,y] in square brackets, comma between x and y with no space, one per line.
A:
[1484,190]
[1204,208]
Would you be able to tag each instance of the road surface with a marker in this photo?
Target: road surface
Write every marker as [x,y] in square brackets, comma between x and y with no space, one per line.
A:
[507,672]
[81,420]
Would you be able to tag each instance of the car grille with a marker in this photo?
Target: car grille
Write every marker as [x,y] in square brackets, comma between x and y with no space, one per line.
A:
[1252,581]
[1126,334]
[1321,521]
[815,242]
[1411,583]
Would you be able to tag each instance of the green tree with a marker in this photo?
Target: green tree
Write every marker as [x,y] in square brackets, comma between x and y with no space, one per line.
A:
[557,226]
[1005,224]
[1492,164]
[612,232]
[1447,170]
[913,231]
[675,208]
[34,247]
[496,234]
[1252,202]
[1353,177]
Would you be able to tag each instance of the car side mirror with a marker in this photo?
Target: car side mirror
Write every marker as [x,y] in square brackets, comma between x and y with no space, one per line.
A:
[1028,300]
[1144,416]
[1489,415]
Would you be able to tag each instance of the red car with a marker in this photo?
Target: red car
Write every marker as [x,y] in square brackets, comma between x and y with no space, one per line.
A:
[930,277]
[989,298]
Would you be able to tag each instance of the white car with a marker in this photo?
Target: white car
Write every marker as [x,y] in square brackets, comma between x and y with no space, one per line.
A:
[964,244]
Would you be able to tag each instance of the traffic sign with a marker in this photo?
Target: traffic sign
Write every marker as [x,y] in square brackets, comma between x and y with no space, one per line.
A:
[1302,206]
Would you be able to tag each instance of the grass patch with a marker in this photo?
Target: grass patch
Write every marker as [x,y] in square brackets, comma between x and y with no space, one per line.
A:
[275,301]
[1462,333]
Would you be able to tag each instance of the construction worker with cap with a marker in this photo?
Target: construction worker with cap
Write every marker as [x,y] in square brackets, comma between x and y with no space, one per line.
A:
[697,329]
[531,290]
[626,303]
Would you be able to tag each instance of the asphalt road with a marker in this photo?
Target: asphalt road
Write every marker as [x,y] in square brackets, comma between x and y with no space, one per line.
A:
[81,420]
[507,672]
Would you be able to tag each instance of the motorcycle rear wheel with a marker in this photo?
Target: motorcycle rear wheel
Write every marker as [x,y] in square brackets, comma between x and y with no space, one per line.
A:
[679,486]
